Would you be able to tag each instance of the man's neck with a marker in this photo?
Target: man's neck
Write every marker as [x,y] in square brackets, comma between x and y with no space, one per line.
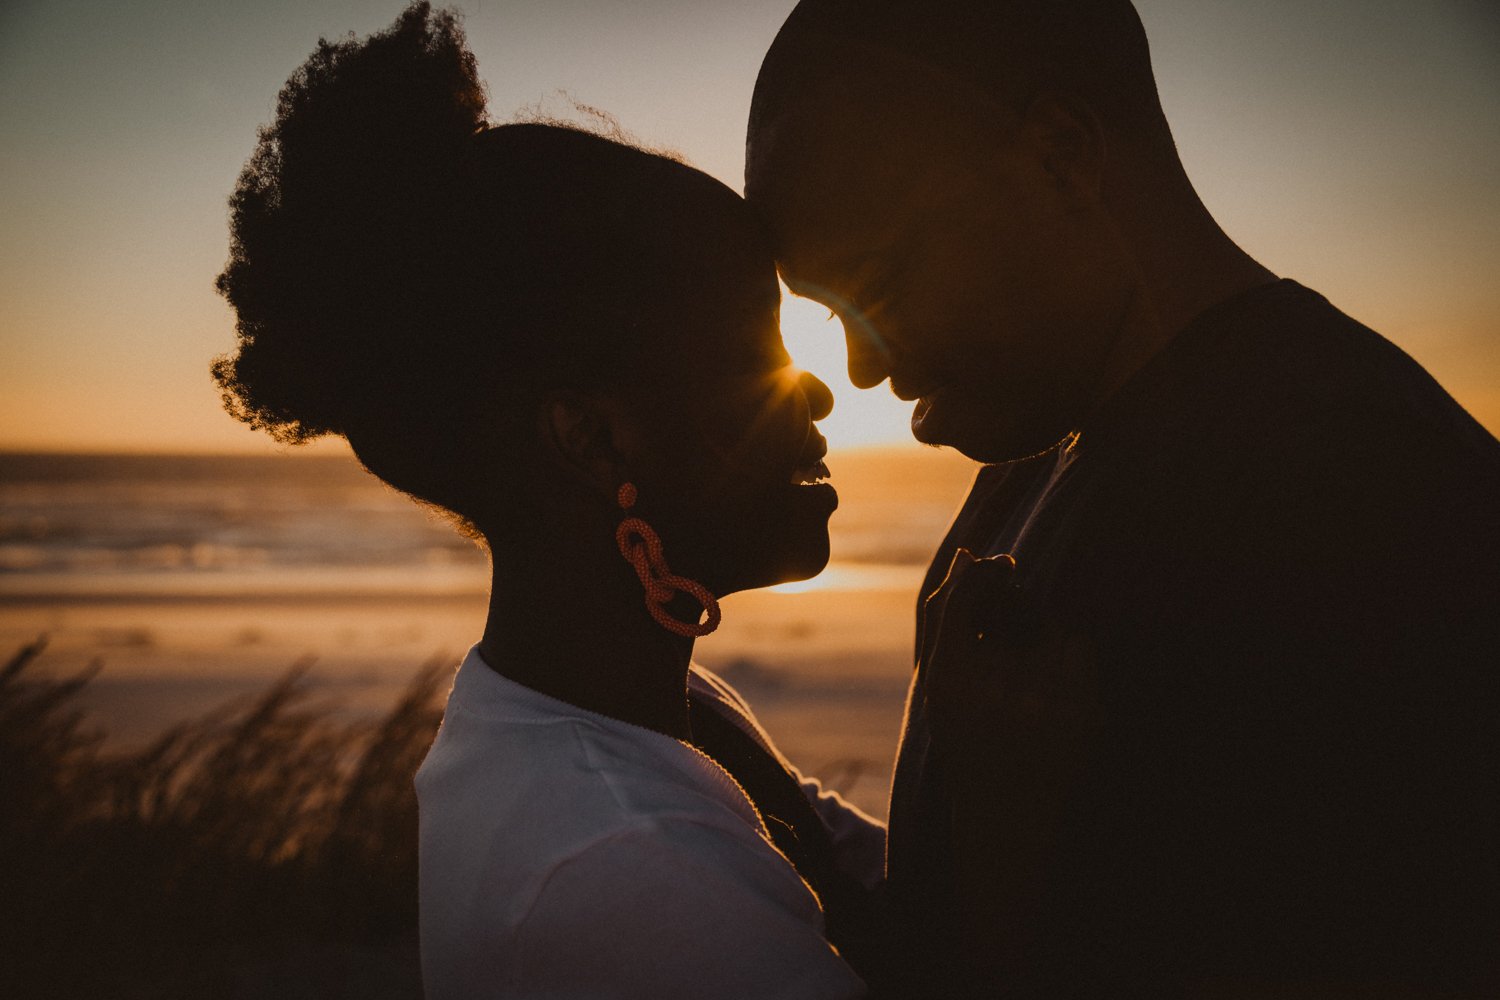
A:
[1185,265]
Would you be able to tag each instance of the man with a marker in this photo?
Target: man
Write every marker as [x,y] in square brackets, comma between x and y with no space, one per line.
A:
[1206,705]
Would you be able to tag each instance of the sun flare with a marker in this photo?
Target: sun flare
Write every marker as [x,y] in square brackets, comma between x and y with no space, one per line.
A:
[815,339]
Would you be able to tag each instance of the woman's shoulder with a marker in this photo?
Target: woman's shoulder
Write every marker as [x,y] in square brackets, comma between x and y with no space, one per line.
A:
[507,751]
[556,843]
[688,911]
[670,905]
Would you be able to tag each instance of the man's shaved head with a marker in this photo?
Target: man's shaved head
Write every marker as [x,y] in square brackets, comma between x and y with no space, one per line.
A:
[1094,51]
[986,192]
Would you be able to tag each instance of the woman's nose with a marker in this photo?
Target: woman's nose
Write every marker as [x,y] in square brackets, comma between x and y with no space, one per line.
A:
[819,396]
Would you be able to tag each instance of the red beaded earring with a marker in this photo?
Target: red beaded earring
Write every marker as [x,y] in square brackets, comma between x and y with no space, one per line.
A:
[641,547]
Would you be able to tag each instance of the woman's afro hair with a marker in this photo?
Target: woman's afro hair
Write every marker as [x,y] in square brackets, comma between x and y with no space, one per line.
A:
[342,220]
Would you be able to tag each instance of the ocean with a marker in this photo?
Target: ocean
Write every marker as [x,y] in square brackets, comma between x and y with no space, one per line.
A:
[190,580]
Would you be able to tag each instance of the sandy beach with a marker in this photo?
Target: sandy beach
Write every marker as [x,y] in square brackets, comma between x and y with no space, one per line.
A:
[825,670]
[178,627]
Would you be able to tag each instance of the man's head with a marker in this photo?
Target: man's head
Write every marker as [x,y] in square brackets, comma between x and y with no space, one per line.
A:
[945,175]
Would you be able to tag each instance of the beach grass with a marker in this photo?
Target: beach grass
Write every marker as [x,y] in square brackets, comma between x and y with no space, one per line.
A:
[267,848]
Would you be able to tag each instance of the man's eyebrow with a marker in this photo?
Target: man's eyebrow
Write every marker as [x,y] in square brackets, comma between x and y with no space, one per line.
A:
[869,268]
[798,288]
[817,292]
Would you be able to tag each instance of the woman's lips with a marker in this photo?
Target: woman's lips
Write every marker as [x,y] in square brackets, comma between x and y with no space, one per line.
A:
[808,484]
[810,474]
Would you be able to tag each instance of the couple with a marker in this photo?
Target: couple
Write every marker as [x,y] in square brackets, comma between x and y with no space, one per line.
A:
[1206,668]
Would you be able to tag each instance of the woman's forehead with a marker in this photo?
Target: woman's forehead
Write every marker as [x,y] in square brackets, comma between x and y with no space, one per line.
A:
[727,339]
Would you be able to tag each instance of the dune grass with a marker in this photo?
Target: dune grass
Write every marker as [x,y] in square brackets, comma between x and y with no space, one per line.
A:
[265,849]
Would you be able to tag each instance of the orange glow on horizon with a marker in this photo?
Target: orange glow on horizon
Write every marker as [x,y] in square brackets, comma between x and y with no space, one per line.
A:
[1346,147]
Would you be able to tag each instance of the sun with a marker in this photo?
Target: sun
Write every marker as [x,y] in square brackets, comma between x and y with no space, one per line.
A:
[814,337]
[861,417]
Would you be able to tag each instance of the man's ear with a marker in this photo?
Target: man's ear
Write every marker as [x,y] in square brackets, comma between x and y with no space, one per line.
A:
[1070,142]
[579,436]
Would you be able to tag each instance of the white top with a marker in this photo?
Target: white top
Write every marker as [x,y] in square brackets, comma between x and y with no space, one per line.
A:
[568,854]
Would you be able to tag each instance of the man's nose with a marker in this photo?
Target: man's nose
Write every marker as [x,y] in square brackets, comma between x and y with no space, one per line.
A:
[869,361]
[819,396]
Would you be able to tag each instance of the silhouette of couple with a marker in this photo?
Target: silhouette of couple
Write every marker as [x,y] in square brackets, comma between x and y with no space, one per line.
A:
[1205,690]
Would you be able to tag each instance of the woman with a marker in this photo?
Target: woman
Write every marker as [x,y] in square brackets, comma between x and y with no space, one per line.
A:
[570,346]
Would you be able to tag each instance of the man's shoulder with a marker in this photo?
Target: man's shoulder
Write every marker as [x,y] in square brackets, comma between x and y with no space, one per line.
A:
[1275,424]
[1289,368]
[1297,457]
[1323,406]
[1280,390]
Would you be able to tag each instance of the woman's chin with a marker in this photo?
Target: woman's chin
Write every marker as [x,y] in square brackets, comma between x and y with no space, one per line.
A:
[804,563]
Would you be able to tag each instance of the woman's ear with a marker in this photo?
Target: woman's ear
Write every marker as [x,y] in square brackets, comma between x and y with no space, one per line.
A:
[579,437]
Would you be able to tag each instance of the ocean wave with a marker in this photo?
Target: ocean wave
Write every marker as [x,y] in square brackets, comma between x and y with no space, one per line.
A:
[193,524]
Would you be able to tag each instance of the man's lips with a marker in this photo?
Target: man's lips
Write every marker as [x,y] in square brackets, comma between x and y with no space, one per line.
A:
[923,410]
[910,389]
[922,393]
[907,394]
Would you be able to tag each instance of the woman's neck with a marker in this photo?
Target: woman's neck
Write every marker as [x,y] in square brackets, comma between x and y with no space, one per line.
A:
[579,631]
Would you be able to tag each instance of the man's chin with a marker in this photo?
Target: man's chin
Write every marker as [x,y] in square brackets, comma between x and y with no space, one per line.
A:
[1002,455]
[991,440]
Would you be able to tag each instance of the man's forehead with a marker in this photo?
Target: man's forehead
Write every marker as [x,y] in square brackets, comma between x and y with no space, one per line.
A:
[852,78]
[827,152]
[880,122]
[833,208]
[823,228]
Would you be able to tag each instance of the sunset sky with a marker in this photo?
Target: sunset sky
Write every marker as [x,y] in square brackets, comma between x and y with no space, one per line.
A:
[1354,146]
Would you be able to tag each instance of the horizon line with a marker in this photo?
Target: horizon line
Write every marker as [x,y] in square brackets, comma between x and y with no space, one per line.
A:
[301,452]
